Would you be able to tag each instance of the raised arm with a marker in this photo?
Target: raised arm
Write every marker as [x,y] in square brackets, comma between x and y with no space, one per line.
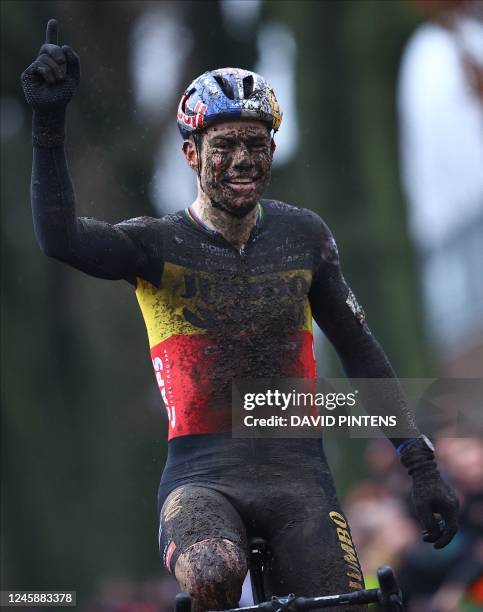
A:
[97,248]
[338,314]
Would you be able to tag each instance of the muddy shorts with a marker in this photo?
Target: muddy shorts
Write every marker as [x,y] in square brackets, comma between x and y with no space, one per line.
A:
[280,490]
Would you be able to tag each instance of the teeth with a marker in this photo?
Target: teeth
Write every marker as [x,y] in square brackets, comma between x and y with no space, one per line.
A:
[245,180]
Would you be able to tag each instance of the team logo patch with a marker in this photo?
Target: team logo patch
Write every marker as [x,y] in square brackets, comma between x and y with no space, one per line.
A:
[355,307]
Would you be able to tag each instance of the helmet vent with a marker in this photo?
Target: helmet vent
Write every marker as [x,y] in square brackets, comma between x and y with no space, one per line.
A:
[226,88]
[247,86]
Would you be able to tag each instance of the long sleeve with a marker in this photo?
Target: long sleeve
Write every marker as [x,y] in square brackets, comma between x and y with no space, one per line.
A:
[336,311]
[94,247]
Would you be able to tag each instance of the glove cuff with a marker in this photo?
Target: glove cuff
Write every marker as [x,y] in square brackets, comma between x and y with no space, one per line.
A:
[418,457]
[48,129]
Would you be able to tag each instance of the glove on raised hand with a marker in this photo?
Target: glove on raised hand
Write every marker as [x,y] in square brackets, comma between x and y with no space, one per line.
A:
[431,495]
[49,84]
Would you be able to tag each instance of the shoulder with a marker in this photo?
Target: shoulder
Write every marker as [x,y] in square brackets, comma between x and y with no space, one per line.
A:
[150,235]
[277,208]
[307,224]
[300,219]
[138,226]
[297,214]
[137,223]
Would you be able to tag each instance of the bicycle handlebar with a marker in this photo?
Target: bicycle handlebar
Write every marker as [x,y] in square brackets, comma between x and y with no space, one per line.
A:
[292,603]
[297,604]
[388,595]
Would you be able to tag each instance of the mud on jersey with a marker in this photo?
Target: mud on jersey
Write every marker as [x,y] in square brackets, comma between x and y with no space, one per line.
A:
[216,313]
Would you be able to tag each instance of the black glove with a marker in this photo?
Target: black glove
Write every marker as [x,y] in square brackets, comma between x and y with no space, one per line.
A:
[49,84]
[430,494]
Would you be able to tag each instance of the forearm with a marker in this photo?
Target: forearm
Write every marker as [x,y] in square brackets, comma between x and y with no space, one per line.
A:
[378,385]
[362,358]
[52,194]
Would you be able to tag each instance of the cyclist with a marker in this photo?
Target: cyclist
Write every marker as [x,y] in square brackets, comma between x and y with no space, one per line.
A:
[227,288]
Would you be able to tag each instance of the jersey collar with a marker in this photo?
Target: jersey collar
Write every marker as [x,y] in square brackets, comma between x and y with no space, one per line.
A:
[194,218]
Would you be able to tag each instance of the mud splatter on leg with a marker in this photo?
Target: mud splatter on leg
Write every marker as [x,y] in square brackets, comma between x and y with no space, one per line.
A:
[212,571]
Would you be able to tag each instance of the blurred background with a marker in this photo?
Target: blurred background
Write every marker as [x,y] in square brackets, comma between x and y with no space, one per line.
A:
[382,135]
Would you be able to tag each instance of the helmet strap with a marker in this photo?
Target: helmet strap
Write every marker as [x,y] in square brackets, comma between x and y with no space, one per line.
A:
[197,141]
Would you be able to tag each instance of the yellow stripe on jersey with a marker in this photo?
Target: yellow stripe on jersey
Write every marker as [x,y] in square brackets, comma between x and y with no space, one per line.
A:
[194,302]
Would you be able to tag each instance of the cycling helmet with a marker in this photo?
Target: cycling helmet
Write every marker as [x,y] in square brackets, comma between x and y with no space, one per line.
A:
[227,93]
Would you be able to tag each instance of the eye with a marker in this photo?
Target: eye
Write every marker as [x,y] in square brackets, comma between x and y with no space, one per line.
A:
[221,145]
[258,145]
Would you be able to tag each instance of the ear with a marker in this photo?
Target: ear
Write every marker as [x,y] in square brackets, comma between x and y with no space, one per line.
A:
[190,153]
[273,146]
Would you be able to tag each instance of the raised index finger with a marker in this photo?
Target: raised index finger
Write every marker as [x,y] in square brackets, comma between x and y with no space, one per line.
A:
[52,32]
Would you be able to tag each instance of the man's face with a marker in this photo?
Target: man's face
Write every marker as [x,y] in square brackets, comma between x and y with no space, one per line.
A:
[236,158]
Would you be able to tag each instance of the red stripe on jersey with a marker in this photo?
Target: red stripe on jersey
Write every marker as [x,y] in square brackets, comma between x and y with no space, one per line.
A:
[192,378]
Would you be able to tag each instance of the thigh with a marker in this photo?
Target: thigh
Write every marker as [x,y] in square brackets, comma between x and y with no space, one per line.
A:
[312,552]
[193,513]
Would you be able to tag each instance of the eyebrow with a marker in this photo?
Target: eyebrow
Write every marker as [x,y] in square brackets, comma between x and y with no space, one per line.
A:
[219,138]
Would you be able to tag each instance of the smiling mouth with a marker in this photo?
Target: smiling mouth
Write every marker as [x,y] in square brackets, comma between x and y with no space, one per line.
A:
[242,184]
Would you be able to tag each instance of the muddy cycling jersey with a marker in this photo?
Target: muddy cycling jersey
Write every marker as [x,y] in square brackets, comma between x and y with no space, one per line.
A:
[214,313]
[218,313]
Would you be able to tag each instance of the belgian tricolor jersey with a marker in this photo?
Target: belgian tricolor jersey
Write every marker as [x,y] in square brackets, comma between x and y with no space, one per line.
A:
[214,313]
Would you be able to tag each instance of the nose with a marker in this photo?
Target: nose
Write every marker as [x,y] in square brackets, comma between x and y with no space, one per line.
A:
[241,159]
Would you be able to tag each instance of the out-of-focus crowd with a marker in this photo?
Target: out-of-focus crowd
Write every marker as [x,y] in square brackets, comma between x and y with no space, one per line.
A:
[385,532]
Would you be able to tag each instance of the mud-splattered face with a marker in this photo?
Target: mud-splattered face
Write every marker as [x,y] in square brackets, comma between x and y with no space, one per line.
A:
[236,158]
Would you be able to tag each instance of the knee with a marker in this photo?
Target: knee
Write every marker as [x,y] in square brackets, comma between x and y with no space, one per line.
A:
[212,571]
